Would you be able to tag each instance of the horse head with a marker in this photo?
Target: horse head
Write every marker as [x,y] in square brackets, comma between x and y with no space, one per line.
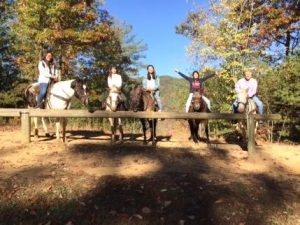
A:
[136,98]
[242,99]
[113,100]
[197,102]
[79,87]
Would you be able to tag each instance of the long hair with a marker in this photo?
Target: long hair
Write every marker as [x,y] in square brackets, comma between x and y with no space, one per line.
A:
[51,62]
[110,68]
[148,74]
[196,73]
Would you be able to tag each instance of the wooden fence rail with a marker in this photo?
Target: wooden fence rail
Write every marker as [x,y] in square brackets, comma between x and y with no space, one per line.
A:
[26,114]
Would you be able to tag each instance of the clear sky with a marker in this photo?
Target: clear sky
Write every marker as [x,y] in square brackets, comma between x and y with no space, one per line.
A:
[154,22]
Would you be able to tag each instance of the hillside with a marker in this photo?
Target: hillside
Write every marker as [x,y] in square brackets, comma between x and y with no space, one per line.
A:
[174,93]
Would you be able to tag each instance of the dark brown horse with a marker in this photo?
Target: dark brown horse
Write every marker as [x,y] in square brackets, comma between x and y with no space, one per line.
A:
[142,100]
[198,105]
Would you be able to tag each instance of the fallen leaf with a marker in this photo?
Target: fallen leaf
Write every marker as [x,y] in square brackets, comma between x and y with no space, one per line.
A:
[138,216]
[166,203]
[221,200]
[146,210]
[192,217]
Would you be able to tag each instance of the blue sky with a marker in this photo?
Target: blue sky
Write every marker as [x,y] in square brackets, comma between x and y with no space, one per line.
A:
[154,22]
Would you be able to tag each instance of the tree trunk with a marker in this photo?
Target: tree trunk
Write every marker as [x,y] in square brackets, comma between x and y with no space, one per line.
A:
[287,43]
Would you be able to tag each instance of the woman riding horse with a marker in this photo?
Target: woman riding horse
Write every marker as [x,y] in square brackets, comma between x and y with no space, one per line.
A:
[60,97]
[142,100]
[115,101]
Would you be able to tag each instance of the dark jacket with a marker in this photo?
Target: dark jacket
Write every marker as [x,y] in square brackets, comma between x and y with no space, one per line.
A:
[193,82]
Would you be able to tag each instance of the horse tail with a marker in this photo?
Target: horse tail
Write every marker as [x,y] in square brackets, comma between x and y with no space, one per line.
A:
[30,96]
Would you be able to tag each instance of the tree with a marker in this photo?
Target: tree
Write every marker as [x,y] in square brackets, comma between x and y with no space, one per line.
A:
[8,70]
[217,38]
[241,34]
[68,27]
[274,21]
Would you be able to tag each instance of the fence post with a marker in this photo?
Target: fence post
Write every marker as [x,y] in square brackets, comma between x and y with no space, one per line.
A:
[251,134]
[25,126]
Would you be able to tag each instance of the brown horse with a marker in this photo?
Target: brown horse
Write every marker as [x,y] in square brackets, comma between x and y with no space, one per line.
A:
[142,100]
[198,105]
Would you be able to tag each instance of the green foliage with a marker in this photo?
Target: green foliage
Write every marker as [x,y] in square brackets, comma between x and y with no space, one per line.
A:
[8,70]
[174,93]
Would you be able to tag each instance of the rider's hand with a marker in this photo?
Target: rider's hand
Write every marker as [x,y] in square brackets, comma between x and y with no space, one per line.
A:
[53,77]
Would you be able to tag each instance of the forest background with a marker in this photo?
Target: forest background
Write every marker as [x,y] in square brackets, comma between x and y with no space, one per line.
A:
[228,37]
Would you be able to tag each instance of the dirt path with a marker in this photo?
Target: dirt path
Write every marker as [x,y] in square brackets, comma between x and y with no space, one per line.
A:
[88,181]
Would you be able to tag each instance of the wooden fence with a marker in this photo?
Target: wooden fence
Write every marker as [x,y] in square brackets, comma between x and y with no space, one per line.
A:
[26,115]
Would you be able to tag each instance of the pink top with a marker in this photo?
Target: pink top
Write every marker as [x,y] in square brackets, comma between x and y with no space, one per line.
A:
[243,84]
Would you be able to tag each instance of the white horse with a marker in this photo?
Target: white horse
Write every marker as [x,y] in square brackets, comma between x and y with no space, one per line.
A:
[59,98]
[112,103]
[245,105]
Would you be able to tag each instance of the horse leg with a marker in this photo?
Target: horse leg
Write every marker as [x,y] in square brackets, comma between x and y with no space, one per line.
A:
[143,121]
[197,126]
[57,126]
[155,123]
[112,128]
[64,126]
[36,130]
[152,125]
[192,130]
[206,132]
[45,127]
[121,133]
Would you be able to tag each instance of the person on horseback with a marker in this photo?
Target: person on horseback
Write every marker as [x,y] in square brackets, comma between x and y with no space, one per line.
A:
[196,84]
[151,83]
[47,72]
[250,84]
[114,82]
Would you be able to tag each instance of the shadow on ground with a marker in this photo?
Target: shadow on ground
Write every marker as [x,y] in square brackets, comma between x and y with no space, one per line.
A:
[184,189]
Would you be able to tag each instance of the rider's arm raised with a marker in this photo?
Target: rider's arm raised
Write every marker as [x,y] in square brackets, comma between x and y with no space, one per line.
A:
[183,75]
[207,77]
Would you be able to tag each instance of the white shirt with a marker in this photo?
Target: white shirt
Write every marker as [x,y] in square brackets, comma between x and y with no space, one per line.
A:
[44,72]
[114,81]
[151,84]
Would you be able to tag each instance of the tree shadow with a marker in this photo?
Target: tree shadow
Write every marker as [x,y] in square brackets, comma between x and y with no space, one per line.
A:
[184,189]
[237,139]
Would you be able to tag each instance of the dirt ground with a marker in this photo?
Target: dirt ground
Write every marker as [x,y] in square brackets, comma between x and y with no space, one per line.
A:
[89,181]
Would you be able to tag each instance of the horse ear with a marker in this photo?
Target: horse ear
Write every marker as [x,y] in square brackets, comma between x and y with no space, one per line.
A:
[73,84]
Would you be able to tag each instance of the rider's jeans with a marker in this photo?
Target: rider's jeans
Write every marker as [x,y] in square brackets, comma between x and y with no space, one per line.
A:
[259,104]
[43,90]
[157,97]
